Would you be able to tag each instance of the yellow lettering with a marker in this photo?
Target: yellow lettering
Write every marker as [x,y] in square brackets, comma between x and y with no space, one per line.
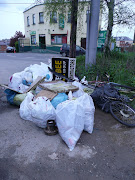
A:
[64,79]
[58,70]
[58,66]
[58,62]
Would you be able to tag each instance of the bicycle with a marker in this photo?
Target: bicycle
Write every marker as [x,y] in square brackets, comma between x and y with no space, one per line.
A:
[115,103]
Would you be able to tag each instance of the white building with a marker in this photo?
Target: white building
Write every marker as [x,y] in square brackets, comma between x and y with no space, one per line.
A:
[123,41]
[43,33]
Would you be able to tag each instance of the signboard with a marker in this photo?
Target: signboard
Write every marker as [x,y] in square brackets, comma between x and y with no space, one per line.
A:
[60,65]
[33,33]
[101,38]
[61,21]
[65,66]
[41,35]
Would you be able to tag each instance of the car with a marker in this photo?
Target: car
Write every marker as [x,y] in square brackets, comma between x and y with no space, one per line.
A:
[64,50]
[10,49]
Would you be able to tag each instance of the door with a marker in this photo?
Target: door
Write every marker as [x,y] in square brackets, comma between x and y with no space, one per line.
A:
[42,41]
[64,39]
[83,43]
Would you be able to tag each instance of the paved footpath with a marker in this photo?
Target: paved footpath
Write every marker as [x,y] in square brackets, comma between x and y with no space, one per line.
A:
[26,153]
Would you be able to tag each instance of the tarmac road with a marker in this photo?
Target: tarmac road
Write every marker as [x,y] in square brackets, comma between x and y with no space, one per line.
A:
[26,153]
[16,62]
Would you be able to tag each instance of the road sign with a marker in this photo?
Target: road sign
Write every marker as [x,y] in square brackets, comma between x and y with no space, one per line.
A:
[101,38]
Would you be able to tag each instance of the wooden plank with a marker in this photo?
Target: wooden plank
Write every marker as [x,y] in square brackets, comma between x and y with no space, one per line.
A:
[50,95]
[35,83]
[10,88]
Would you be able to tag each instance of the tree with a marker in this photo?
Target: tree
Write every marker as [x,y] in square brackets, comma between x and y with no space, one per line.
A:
[74,9]
[110,5]
[120,12]
[13,39]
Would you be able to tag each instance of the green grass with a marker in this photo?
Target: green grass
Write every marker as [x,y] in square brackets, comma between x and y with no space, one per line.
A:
[120,67]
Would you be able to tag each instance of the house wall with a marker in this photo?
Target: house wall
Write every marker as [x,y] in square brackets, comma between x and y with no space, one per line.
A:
[118,43]
[3,48]
[49,29]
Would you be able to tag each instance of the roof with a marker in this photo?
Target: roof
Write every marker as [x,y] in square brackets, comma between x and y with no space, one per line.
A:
[30,7]
[3,43]
[122,38]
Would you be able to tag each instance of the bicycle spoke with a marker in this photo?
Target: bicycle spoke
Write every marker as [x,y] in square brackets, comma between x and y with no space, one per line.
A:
[123,113]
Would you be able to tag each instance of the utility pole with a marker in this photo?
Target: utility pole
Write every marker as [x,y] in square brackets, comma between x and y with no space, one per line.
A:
[92,35]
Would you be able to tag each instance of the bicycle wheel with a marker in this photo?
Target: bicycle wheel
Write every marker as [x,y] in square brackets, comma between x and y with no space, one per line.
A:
[123,113]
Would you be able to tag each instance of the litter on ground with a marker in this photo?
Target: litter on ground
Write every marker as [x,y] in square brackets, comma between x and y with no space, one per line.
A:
[52,102]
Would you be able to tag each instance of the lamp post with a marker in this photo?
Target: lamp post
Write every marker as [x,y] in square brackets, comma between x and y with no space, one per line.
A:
[87,37]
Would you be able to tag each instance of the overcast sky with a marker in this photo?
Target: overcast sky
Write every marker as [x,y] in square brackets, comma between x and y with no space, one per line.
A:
[12,20]
[11,17]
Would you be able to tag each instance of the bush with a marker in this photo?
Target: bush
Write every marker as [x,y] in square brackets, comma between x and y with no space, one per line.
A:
[120,67]
[16,46]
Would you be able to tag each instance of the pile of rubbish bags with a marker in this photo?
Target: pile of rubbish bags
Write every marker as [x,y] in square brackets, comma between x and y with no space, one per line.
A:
[66,103]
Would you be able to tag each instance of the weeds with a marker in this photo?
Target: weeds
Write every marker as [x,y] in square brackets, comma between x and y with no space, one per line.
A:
[120,67]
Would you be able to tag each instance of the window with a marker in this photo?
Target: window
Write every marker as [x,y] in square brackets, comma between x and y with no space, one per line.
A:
[58,39]
[33,18]
[69,17]
[28,21]
[41,17]
[78,48]
[33,39]
[53,17]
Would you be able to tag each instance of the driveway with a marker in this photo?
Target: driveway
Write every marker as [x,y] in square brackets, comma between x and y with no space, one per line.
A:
[26,153]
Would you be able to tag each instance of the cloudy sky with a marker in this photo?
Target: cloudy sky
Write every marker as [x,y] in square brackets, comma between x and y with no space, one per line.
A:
[11,19]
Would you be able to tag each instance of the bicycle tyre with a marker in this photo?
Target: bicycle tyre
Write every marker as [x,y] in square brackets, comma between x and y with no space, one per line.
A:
[123,113]
[122,86]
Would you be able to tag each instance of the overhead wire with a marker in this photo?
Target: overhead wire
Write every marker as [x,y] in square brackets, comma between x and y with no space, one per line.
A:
[17,3]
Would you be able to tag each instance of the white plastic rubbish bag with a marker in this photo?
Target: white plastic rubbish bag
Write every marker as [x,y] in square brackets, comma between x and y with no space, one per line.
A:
[70,121]
[25,110]
[38,111]
[80,92]
[74,116]
[23,88]
[83,80]
[89,109]
[39,70]
[28,76]
[15,80]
